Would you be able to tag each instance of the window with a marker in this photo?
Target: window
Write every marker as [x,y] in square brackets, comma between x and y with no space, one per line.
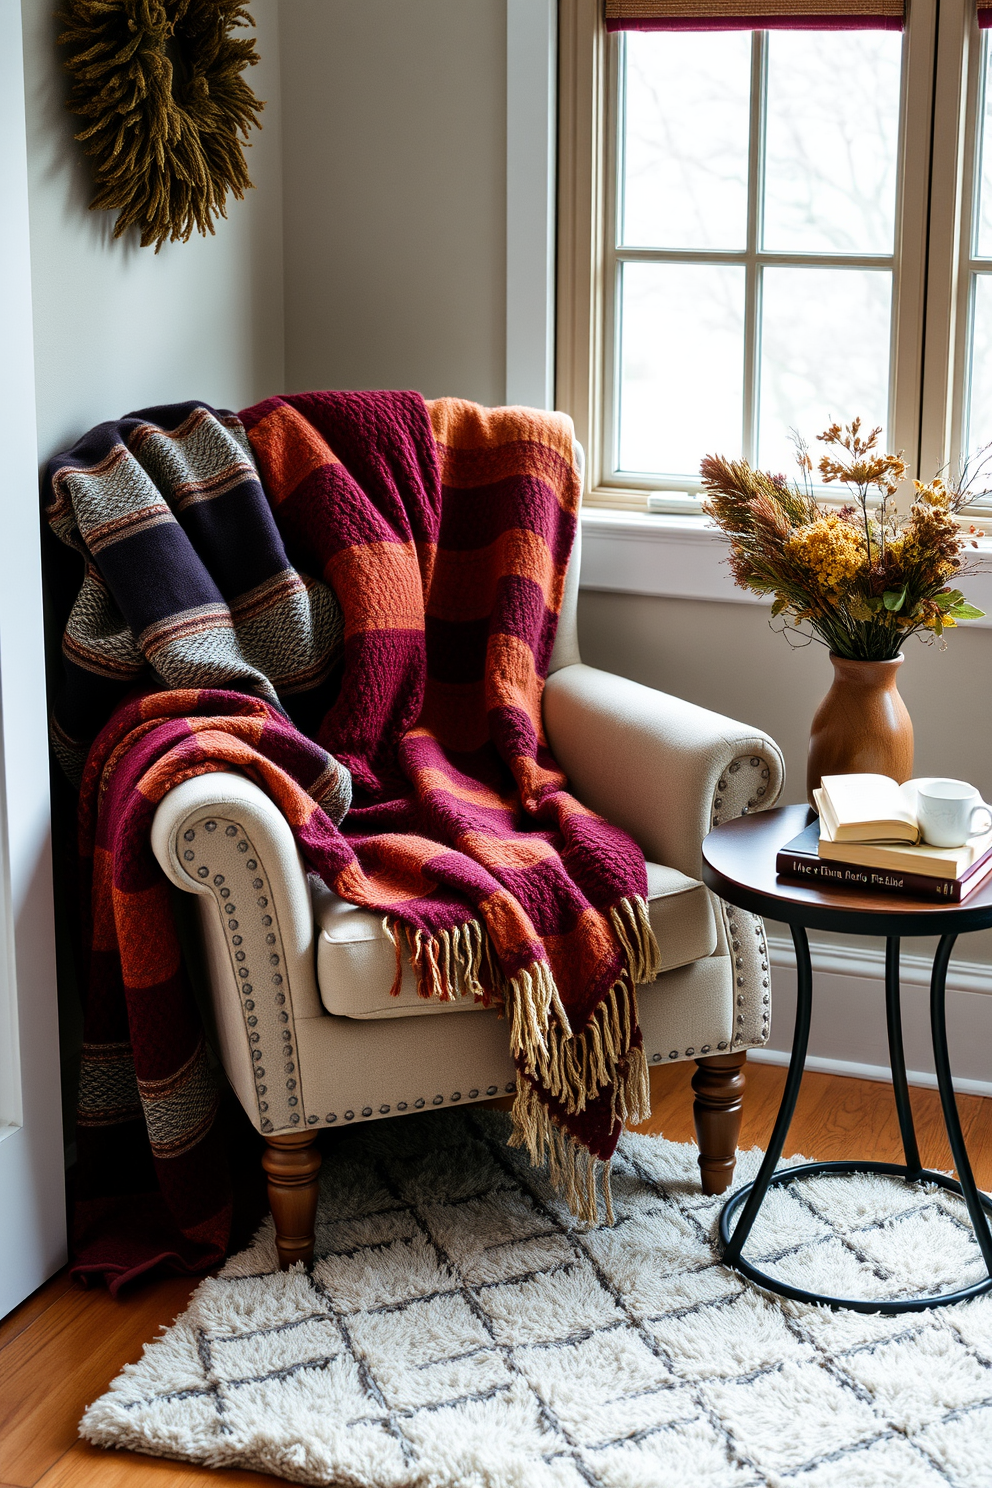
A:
[975,429]
[762,231]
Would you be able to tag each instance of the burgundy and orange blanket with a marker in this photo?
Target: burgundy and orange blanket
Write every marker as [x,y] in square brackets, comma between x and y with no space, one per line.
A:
[444,531]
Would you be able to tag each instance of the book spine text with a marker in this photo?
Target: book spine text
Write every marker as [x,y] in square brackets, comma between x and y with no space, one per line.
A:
[877,880]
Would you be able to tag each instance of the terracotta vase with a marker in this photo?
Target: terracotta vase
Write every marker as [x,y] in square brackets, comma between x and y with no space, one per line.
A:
[862,724]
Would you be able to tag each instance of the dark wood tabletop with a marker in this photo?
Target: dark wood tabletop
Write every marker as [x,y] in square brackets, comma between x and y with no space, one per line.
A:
[739,865]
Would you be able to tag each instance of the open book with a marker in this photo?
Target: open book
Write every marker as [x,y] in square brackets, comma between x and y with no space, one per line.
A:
[868,808]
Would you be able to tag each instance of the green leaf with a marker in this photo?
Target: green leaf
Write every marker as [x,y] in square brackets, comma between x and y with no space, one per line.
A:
[874,603]
[779,605]
[948,600]
[893,599]
[965,611]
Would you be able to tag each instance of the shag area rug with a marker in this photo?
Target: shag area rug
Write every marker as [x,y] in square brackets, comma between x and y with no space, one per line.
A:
[461,1330]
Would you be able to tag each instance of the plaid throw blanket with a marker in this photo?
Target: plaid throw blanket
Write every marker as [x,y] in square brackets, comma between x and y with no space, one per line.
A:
[153,1184]
[186,581]
[445,531]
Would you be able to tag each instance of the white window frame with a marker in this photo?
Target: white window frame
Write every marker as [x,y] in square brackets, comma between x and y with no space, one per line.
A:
[929,350]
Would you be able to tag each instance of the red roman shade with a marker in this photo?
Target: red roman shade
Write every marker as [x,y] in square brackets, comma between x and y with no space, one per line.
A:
[759,15]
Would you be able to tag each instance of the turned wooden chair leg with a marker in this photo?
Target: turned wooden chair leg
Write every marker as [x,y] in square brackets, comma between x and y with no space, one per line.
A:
[292,1164]
[719,1087]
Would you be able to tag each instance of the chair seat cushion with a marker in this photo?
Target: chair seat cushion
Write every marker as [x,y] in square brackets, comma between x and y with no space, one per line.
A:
[356,962]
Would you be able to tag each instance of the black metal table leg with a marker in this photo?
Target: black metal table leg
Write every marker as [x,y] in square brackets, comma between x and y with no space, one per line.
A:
[938,1026]
[897,1058]
[750,1197]
[755,1192]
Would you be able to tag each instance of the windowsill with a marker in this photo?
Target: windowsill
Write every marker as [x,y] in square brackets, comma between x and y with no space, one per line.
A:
[684,557]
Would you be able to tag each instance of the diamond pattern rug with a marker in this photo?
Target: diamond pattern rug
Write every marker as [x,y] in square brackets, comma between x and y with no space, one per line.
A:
[460,1330]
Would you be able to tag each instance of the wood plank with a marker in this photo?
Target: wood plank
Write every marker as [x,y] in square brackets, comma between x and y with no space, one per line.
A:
[84,1466]
[67,1357]
[836,1117]
[32,1307]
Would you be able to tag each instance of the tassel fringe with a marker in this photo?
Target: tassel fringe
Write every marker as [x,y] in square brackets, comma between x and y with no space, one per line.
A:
[575,1172]
[572,1068]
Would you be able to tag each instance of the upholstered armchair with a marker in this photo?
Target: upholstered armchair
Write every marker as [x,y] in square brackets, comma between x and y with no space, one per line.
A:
[299,981]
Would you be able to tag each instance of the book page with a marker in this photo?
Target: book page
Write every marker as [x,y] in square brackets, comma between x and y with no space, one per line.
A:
[874,803]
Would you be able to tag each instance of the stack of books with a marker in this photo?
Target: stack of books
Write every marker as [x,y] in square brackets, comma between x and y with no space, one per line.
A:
[867,837]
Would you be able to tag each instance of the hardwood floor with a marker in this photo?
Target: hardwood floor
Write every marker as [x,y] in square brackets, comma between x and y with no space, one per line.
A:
[60,1348]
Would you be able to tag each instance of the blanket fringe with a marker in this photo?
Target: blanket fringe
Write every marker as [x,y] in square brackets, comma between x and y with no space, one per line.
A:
[447,965]
[632,924]
[572,1068]
[575,1172]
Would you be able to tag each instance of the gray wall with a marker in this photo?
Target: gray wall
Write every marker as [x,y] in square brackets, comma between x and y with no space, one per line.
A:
[725,657]
[118,327]
[394,119]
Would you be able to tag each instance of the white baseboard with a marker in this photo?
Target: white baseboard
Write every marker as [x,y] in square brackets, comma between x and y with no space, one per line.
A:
[880,1072]
[848,1034]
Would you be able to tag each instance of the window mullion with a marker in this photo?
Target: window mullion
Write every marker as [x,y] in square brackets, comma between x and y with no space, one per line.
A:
[752,300]
[944,332]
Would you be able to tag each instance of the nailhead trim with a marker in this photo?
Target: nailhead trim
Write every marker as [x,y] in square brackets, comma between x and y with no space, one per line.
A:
[250,1007]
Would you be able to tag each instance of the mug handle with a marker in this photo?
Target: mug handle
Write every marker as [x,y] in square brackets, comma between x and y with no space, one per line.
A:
[974,831]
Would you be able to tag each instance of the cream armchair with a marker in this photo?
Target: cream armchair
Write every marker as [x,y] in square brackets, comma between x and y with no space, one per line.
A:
[300,981]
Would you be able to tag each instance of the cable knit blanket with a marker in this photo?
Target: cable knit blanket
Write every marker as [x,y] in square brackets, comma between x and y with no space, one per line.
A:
[186,580]
[445,531]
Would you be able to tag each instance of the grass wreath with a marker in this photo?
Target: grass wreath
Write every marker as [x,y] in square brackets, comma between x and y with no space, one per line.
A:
[159,83]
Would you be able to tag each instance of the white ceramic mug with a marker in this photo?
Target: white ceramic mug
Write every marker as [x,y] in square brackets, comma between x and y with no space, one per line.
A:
[947,811]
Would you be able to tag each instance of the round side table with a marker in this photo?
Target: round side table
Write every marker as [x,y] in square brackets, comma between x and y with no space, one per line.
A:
[739,866]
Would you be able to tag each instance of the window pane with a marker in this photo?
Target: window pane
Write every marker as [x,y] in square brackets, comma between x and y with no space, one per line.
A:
[831,141]
[983,233]
[824,354]
[686,139]
[978,432]
[681,365]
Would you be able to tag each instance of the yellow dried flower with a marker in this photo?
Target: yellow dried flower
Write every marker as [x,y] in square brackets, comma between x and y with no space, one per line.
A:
[935,492]
[832,552]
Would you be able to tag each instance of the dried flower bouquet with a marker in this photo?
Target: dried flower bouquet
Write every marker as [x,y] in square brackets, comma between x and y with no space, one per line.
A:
[864,577]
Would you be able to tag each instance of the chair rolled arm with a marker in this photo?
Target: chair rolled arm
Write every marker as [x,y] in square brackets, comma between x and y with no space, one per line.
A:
[220,837]
[661,768]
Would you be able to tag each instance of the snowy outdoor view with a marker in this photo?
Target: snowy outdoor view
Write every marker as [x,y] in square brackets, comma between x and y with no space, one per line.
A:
[688,191]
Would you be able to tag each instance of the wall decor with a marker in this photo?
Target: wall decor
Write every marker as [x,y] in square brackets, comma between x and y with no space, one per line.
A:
[160,86]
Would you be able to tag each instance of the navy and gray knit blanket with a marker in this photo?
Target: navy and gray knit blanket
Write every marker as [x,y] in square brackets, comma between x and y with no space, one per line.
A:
[186,579]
